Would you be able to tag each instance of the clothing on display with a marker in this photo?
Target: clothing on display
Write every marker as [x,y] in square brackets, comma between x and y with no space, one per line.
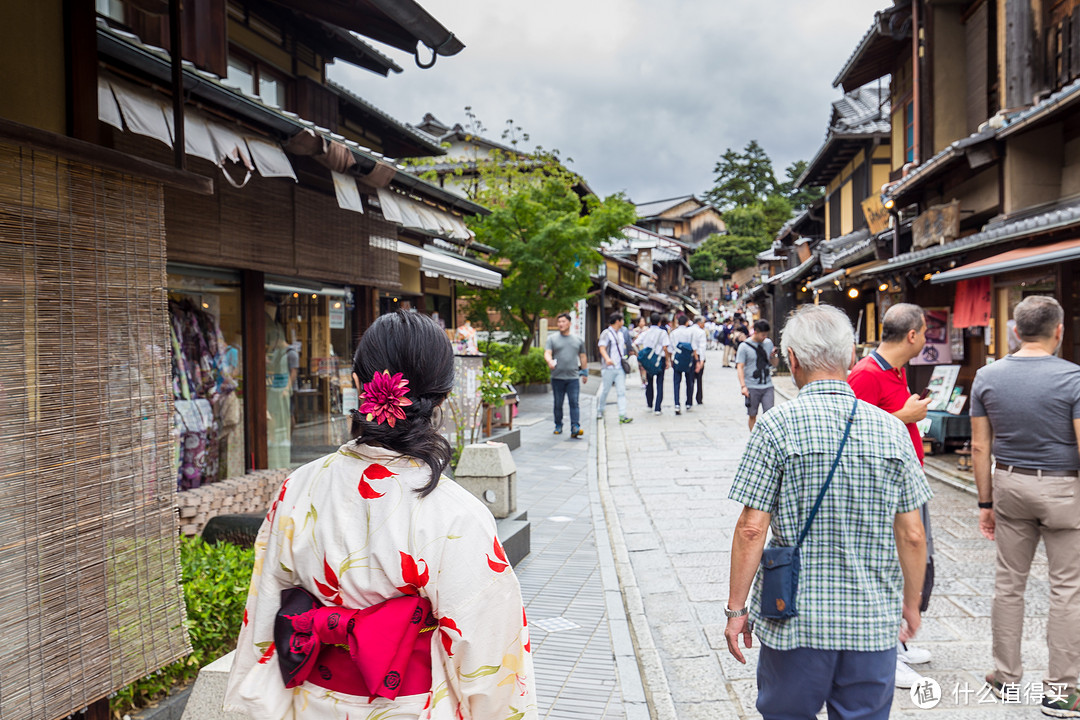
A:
[203,391]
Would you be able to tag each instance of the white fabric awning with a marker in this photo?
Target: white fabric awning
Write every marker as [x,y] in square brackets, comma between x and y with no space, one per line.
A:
[419,216]
[435,264]
[348,195]
[146,113]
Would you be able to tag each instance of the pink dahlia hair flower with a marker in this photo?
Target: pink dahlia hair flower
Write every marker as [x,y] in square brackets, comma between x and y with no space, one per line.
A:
[384,397]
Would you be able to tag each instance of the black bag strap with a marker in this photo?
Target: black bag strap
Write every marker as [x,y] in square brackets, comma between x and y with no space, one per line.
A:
[828,480]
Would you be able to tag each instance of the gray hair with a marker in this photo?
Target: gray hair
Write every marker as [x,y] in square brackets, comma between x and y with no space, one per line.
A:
[1037,317]
[821,336]
[899,320]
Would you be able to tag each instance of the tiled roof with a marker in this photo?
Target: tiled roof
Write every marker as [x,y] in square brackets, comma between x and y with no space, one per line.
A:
[859,114]
[421,138]
[1059,217]
[846,249]
[939,161]
[655,207]
[865,110]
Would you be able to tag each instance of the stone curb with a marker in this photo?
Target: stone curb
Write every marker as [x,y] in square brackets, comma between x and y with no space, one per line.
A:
[645,689]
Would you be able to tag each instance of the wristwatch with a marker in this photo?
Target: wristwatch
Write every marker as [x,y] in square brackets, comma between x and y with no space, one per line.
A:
[986,505]
[735,613]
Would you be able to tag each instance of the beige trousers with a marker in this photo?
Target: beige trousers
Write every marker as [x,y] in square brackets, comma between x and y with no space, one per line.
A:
[1027,507]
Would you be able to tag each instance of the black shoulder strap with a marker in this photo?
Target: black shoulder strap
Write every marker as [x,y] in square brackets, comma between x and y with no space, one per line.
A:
[828,480]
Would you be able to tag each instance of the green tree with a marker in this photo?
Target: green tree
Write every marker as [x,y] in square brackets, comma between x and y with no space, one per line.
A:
[706,263]
[800,198]
[548,240]
[735,251]
[742,178]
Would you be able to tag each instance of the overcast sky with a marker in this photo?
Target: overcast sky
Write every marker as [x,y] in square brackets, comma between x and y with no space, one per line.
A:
[644,95]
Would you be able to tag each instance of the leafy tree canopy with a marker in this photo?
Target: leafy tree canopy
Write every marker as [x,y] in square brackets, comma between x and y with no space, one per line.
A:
[735,251]
[548,245]
[545,235]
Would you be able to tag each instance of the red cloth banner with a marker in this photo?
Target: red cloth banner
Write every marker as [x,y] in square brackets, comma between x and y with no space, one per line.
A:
[972,308]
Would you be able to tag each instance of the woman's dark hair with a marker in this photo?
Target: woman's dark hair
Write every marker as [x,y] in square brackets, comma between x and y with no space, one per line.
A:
[415,346]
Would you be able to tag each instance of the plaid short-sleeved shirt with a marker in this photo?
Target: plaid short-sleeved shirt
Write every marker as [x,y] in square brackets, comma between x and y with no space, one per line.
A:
[850,584]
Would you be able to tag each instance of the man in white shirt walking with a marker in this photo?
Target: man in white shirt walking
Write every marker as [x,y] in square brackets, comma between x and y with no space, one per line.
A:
[656,339]
[612,346]
[682,341]
[701,344]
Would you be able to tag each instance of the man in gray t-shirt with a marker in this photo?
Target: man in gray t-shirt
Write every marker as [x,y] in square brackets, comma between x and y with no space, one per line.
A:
[754,361]
[1026,408]
[565,355]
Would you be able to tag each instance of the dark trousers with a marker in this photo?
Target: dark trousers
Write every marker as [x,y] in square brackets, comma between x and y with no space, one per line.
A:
[688,375]
[697,383]
[570,390]
[658,378]
[794,684]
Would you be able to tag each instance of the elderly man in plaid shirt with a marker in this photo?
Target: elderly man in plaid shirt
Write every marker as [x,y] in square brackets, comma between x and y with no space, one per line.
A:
[863,560]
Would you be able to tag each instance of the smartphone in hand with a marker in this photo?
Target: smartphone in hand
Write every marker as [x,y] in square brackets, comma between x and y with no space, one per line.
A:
[924,394]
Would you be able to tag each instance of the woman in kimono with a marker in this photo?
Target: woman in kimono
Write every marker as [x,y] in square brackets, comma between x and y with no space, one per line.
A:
[380,590]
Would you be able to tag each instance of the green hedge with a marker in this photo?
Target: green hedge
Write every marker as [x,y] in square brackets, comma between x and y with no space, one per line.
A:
[531,368]
[215,578]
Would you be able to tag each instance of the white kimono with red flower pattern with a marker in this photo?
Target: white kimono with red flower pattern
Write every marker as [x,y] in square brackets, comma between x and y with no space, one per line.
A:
[350,529]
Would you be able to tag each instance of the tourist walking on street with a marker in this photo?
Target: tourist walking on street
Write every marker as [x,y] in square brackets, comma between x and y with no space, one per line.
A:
[612,355]
[683,359]
[701,344]
[880,379]
[754,362]
[1025,409]
[565,355]
[379,586]
[859,538]
[657,341]
[640,327]
[726,341]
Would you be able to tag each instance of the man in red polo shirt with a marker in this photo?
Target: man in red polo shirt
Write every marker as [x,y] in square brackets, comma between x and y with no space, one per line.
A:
[880,379]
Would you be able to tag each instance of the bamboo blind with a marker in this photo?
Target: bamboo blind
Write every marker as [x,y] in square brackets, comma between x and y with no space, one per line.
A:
[90,598]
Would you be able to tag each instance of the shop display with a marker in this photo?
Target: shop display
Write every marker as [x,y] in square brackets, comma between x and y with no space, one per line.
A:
[207,408]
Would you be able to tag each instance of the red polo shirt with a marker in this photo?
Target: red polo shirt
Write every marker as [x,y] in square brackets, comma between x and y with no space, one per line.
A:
[879,383]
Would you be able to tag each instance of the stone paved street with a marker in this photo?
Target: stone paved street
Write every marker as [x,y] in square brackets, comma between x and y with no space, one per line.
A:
[664,483]
[576,673]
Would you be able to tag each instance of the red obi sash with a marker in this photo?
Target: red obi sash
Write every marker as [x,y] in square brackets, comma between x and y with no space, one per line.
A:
[380,651]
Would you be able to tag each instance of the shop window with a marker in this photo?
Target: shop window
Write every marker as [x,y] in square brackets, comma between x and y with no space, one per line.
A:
[112,9]
[309,388]
[207,375]
[253,78]
[241,75]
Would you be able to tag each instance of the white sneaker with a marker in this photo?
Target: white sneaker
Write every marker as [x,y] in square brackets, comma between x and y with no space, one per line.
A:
[688,407]
[657,412]
[905,676]
[912,655]
[678,410]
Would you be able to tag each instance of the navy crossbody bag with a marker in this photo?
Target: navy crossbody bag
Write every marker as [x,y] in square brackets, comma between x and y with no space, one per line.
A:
[780,565]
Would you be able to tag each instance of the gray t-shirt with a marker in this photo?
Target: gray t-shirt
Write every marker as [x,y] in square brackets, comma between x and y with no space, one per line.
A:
[565,349]
[748,355]
[1031,403]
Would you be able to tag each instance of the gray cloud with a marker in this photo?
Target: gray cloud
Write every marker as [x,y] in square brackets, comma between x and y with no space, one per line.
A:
[644,95]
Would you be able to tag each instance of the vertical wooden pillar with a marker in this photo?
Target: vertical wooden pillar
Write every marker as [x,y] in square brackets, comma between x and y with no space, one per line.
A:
[254,369]
[81,67]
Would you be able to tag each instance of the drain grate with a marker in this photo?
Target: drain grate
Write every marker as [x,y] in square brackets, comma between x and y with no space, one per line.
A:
[554,624]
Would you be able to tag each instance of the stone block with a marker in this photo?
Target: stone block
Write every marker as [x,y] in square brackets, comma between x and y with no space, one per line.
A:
[515,536]
[487,470]
[208,693]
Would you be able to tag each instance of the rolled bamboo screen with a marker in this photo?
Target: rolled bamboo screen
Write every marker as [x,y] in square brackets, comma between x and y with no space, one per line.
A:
[90,597]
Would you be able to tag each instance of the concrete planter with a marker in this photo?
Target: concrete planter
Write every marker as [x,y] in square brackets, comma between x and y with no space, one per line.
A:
[533,388]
